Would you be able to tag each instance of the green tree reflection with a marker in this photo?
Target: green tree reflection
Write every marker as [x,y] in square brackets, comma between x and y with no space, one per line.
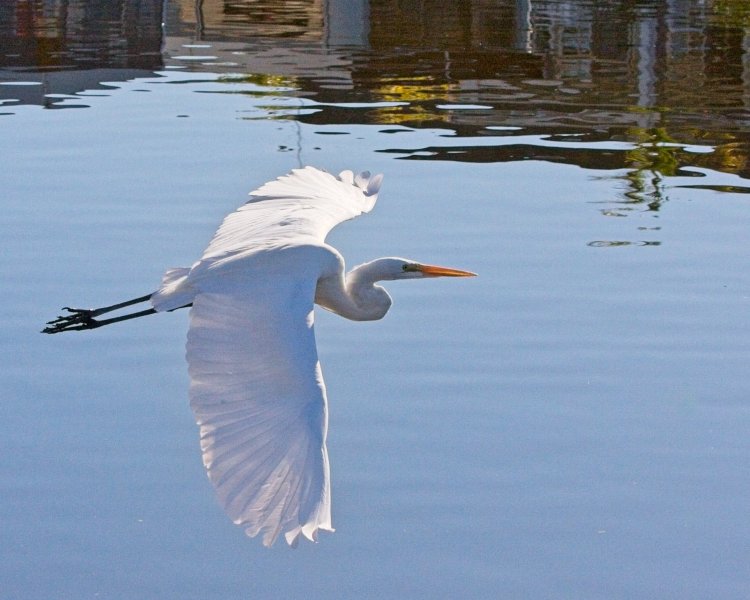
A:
[654,157]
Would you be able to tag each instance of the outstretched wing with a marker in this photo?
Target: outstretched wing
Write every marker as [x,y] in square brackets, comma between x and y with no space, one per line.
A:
[256,385]
[295,209]
[258,396]
[300,207]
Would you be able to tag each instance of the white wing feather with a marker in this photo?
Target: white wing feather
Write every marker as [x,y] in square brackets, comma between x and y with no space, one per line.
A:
[259,399]
[256,386]
[300,207]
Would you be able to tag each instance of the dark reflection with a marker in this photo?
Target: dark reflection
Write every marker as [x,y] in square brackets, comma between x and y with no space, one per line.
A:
[72,45]
[658,75]
[669,80]
[732,189]
[611,69]
[80,34]
[242,21]
[619,243]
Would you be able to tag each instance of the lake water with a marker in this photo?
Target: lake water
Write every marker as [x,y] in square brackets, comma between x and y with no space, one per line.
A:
[574,423]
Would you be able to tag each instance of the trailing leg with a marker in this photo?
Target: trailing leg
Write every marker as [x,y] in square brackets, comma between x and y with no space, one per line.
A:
[83,318]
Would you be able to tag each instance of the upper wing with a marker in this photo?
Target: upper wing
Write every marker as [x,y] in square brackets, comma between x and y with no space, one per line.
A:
[258,395]
[295,208]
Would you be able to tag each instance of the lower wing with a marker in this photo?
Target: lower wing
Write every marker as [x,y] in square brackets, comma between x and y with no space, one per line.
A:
[258,396]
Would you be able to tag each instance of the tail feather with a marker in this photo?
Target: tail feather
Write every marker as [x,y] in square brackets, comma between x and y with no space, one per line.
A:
[174,291]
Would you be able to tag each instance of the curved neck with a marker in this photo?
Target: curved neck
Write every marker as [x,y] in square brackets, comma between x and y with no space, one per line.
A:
[356,295]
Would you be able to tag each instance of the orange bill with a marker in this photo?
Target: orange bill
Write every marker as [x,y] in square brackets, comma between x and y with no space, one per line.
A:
[435,271]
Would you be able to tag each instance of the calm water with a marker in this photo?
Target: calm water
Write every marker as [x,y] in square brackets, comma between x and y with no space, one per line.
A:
[574,423]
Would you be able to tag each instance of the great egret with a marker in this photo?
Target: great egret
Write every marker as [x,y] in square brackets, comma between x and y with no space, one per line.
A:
[256,386]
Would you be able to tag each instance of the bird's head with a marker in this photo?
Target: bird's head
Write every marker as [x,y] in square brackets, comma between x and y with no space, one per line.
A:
[371,301]
[404,268]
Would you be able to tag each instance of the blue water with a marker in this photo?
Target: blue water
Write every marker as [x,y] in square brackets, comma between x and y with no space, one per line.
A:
[573,423]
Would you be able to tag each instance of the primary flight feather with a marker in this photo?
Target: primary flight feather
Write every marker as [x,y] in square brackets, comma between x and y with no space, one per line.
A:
[256,385]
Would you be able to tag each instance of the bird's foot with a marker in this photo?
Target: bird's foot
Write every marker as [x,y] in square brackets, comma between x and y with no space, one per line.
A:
[78,320]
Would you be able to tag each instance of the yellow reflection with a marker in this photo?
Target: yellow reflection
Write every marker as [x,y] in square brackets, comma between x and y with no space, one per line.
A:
[731,158]
[419,89]
[396,115]
[263,79]
[732,12]
[652,154]
[414,91]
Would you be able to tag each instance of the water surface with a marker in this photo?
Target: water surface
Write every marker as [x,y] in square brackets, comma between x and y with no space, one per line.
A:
[571,424]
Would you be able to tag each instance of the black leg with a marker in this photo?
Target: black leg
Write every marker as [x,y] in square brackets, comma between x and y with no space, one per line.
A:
[83,318]
[88,322]
[95,312]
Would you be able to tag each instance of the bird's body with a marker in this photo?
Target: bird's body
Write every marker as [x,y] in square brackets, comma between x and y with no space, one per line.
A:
[256,385]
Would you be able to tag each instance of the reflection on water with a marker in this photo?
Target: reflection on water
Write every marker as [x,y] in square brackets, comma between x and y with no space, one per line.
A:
[80,34]
[507,80]
[650,92]
[647,73]
[300,20]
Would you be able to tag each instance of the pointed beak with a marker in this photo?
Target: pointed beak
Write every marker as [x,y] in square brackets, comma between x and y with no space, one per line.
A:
[435,271]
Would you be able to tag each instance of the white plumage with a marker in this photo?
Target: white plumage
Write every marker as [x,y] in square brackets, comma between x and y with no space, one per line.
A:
[256,386]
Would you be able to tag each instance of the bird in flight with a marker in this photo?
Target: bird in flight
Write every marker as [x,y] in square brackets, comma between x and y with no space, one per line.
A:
[256,386]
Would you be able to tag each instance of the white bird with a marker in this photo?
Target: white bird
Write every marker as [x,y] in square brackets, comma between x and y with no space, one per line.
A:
[256,386]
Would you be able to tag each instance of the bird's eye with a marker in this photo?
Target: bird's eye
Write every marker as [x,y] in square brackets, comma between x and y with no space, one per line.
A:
[405,267]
